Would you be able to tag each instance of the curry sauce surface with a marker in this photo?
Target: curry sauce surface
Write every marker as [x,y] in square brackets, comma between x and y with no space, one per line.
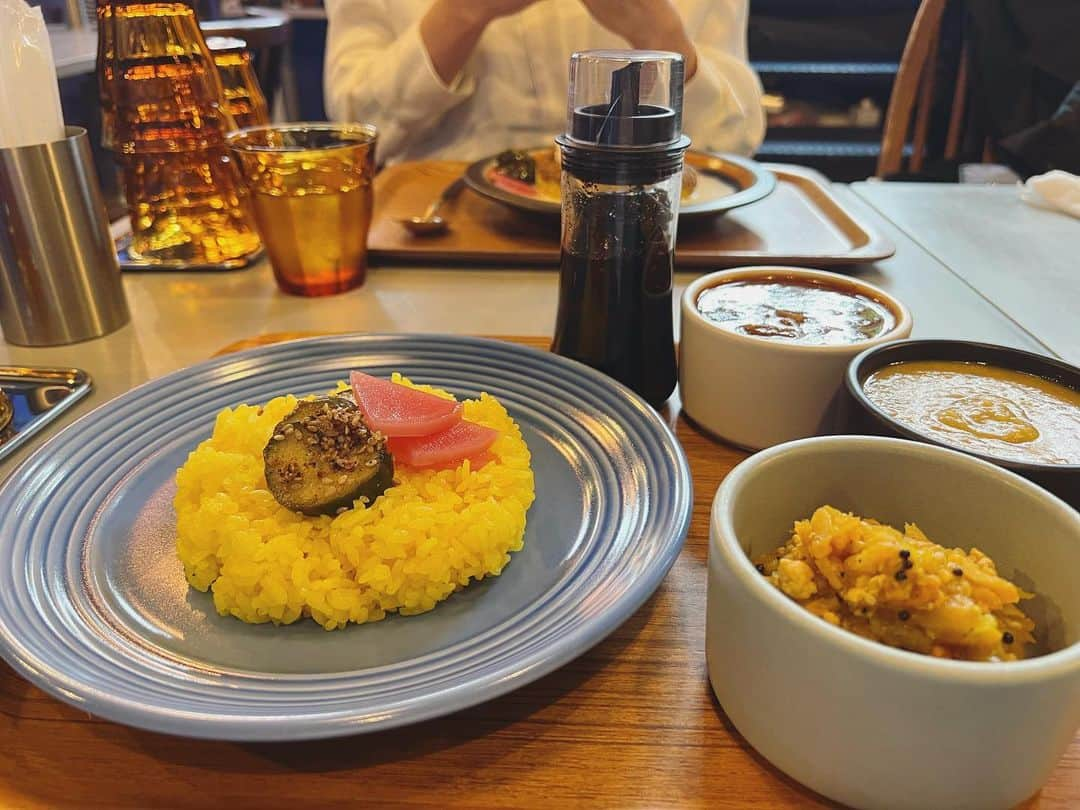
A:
[794,310]
[982,408]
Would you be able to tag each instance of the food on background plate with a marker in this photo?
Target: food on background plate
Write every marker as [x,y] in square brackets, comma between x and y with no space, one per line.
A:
[538,173]
[276,540]
[531,174]
[795,310]
[900,588]
[982,408]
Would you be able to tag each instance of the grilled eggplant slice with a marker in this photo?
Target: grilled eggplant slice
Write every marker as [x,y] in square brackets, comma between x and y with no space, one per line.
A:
[322,458]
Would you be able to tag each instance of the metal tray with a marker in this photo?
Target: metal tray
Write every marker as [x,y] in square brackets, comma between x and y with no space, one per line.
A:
[128,262]
[37,396]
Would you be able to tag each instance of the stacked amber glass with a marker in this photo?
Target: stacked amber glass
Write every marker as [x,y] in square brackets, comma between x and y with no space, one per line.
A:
[243,97]
[165,116]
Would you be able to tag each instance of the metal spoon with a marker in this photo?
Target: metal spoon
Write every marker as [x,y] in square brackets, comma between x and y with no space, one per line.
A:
[431,223]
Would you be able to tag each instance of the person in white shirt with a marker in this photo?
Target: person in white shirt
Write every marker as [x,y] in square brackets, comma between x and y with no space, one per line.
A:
[463,79]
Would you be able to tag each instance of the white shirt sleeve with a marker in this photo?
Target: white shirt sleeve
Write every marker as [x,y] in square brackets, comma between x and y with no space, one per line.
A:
[374,76]
[722,102]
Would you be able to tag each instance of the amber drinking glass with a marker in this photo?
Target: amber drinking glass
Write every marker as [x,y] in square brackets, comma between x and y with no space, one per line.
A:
[310,188]
[244,98]
[165,116]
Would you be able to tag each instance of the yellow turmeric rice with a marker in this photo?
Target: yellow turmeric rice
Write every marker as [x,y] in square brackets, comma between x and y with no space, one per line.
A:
[428,535]
[900,589]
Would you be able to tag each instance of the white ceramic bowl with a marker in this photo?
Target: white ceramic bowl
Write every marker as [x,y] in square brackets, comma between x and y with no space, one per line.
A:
[863,723]
[756,392]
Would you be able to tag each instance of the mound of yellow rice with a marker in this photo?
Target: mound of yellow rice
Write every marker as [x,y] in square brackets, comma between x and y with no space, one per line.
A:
[427,536]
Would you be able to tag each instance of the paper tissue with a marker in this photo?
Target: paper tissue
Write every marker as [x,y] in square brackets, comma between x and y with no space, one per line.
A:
[29,96]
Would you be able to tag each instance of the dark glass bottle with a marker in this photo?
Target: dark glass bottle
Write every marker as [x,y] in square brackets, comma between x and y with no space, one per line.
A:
[622,174]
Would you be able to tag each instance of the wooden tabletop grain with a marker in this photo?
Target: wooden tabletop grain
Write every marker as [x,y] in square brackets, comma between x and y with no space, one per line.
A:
[631,723]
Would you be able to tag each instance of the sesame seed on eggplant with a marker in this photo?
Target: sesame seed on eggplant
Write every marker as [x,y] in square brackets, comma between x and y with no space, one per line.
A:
[323,458]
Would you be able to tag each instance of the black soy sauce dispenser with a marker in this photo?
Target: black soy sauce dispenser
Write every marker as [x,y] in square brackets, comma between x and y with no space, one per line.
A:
[622,159]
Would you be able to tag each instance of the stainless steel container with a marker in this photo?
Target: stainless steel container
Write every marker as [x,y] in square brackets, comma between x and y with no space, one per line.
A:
[59,277]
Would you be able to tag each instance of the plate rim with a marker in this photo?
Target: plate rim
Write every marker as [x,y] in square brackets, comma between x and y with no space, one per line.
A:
[763,183]
[396,711]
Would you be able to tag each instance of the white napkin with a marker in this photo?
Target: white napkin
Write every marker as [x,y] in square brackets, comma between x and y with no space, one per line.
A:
[29,96]
[1056,190]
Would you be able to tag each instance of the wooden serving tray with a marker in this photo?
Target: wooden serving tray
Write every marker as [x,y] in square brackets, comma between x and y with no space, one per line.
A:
[800,223]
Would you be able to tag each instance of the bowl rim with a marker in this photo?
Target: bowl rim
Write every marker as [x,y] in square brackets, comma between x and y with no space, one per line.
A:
[723,542]
[238,139]
[900,330]
[855,378]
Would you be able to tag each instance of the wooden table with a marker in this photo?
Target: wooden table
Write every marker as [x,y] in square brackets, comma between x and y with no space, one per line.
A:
[1025,260]
[632,723]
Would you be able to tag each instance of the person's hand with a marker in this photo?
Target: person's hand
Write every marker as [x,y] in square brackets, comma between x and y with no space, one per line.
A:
[450,29]
[647,25]
[484,11]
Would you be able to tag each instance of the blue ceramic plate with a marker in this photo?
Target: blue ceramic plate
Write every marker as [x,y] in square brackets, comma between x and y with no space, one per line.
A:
[95,610]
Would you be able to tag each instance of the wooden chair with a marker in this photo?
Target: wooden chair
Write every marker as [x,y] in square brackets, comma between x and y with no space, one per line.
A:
[914,92]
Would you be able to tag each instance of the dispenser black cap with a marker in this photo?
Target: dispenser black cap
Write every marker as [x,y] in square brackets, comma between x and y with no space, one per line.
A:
[625,98]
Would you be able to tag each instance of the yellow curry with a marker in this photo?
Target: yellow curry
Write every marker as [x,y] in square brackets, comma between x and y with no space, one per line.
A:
[985,409]
[900,588]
